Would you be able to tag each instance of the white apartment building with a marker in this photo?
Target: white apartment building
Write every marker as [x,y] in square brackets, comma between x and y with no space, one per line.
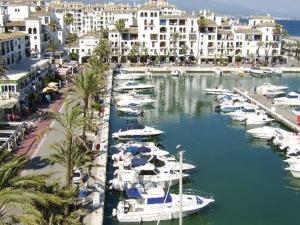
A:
[155,24]
[15,48]
[85,46]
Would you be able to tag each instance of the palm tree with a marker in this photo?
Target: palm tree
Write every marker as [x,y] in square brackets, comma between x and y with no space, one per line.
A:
[260,44]
[52,48]
[68,18]
[71,122]
[175,36]
[135,51]
[87,85]
[202,23]
[63,214]
[78,156]
[297,50]
[103,50]
[21,192]
[120,26]
[53,27]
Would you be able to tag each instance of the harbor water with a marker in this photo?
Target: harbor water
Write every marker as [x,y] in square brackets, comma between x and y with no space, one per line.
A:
[245,176]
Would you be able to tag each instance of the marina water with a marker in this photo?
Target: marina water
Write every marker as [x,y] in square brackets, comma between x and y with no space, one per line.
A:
[245,176]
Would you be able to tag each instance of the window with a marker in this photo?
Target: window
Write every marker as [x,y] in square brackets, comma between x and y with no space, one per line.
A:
[82,50]
[34,30]
[35,37]
[29,31]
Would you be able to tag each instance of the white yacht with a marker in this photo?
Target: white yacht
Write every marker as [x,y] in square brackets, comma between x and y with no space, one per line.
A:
[242,114]
[125,102]
[216,91]
[138,151]
[154,204]
[266,132]
[286,140]
[295,170]
[292,99]
[136,131]
[158,161]
[177,73]
[231,106]
[125,178]
[133,85]
[130,111]
[270,90]
[272,71]
[292,161]
[296,111]
[137,144]
[258,119]
[256,72]
[125,75]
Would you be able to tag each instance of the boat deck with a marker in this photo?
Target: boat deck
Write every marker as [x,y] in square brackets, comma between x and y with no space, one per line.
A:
[282,114]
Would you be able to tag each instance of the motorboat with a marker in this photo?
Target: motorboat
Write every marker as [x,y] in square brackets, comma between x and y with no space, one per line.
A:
[258,119]
[256,72]
[272,71]
[177,73]
[295,170]
[292,99]
[130,111]
[230,97]
[136,131]
[270,90]
[158,161]
[137,144]
[125,75]
[242,114]
[155,204]
[125,178]
[292,161]
[286,141]
[133,85]
[231,106]
[296,111]
[141,101]
[216,91]
[266,132]
[138,151]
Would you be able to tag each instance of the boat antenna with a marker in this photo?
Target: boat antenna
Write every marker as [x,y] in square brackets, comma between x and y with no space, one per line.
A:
[181,151]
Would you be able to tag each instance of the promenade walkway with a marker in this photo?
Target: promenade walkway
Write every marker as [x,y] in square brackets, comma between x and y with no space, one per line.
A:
[40,126]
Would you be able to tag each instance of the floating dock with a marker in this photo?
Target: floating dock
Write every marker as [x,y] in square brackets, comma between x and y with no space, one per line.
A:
[280,113]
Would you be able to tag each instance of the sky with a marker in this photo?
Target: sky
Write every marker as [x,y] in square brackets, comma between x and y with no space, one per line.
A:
[279,8]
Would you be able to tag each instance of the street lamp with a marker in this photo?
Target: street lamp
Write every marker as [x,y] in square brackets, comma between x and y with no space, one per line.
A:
[181,151]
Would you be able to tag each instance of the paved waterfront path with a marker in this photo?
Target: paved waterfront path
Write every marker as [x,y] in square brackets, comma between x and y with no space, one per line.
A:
[40,125]
[38,163]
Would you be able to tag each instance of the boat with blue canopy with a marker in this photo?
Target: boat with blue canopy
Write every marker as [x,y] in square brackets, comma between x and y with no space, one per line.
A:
[153,204]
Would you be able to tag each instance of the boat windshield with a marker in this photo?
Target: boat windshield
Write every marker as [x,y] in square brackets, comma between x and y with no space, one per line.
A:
[160,200]
[134,126]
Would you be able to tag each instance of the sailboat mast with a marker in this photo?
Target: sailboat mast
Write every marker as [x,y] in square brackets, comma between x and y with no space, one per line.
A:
[180,187]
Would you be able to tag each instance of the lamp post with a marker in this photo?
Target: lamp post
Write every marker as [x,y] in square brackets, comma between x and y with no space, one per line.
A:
[181,151]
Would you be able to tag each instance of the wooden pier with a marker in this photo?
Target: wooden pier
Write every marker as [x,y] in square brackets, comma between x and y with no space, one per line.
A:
[280,113]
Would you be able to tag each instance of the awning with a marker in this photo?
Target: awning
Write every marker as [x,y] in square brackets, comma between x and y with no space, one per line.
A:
[136,150]
[49,89]
[133,193]
[53,84]
[8,104]
[160,200]
[136,162]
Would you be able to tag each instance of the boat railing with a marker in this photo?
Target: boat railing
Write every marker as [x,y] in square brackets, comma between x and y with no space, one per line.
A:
[192,191]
